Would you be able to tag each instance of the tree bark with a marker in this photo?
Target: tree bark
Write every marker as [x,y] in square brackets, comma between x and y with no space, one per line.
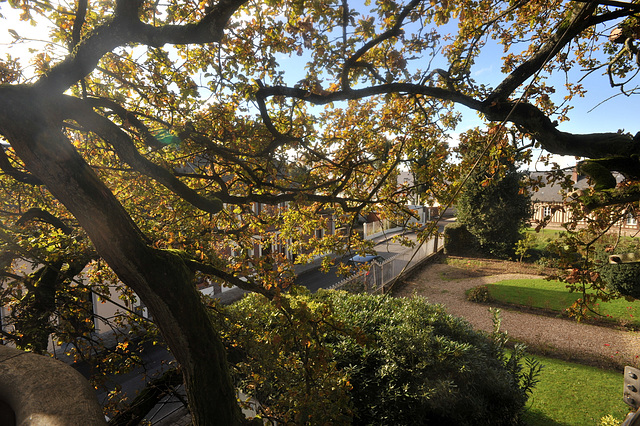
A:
[31,121]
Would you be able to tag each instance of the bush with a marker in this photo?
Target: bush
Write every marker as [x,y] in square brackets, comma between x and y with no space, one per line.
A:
[624,279]
[340,358]
[458,241]
[621,278]
[479,294]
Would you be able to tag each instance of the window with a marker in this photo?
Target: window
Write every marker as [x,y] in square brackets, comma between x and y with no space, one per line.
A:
[631,219]
[547,211]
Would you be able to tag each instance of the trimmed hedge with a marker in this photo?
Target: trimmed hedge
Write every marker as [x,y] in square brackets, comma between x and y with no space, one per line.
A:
[622,278]
[458,241]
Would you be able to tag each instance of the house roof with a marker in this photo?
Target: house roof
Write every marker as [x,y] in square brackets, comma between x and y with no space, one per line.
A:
[552,192]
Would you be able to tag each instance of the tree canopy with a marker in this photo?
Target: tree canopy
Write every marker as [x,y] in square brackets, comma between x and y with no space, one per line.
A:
[144,133]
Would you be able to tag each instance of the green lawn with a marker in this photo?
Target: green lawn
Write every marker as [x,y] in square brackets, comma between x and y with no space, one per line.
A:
[575,395]
[544,237]
[569,394]
[554,295]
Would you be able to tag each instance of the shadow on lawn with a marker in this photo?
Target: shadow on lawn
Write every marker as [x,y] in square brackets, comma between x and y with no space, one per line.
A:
[537,418]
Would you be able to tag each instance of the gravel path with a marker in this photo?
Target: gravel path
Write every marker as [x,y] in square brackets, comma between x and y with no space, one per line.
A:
[543,334]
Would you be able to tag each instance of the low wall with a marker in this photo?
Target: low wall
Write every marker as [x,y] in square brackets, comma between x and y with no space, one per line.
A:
[381,275]
[40,391]
[408,271]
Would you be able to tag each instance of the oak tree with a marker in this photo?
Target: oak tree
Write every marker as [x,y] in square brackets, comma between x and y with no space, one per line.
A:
[155,129]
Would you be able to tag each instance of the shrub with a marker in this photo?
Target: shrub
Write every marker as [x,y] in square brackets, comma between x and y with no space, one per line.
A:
[479,294]
[609,420]
[622,278]
[336,357]
[458,241]
[525,245]
[279,357]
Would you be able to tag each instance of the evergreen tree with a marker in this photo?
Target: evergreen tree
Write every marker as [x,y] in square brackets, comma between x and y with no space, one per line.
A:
[493,205]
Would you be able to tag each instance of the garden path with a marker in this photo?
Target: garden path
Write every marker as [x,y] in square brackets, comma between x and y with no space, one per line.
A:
[546,335]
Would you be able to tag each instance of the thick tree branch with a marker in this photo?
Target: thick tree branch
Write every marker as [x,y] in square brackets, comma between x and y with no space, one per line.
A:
[595,145]
[279,138]
[278,193]
[127,151]
[281,194]
[622,4]
[43,216]
[208,30]
[578,20]
[612,16]
[125,28]
[6,274]
[610,197]
[130,118]
[246,284]
[78,22]
[20,176]
[161,279]
[390,88]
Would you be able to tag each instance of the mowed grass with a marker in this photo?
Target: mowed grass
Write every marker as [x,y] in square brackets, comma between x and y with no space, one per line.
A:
[544,237]
[554,295]
[574,395]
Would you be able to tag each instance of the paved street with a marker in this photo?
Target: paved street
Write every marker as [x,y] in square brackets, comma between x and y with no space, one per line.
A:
[315,279]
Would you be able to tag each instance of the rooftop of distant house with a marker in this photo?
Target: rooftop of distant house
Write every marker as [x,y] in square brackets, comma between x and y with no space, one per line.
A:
[552,192]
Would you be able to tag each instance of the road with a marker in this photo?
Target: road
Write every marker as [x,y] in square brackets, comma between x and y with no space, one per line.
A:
[155,360]
[316,279]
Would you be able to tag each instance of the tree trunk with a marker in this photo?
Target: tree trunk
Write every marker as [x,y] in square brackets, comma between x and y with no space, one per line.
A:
[32,124]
